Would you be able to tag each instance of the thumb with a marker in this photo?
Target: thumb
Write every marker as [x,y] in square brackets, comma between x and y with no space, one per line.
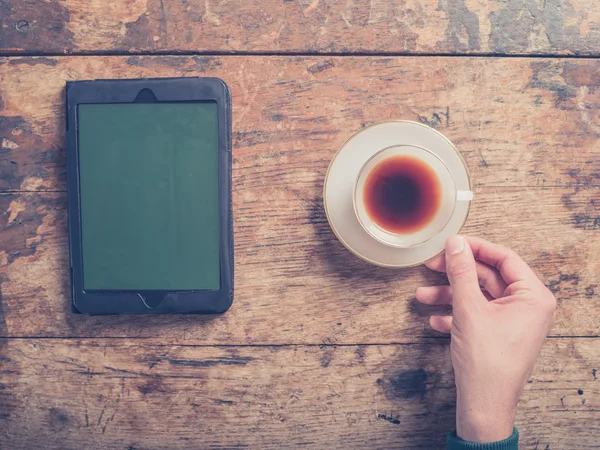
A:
[462,271]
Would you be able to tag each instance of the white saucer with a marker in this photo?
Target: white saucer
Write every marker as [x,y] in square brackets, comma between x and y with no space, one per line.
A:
[342,174]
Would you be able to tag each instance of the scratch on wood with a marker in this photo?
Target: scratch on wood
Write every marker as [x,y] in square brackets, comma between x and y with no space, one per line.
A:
[108,421]
[32,61]
[320,66]
[436,118]
[236,361]
[483,161]
[165,18]
[583,108]
[214,19]
[101,414]
[310,7]
[347,14]
[390,418]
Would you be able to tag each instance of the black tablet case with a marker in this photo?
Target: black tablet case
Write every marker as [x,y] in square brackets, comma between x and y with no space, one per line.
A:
[169,90]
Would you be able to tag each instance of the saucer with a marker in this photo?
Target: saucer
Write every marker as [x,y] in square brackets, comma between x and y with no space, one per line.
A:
[343,172]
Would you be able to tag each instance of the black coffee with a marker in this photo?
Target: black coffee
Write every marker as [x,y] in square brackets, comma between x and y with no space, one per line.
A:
[402,194]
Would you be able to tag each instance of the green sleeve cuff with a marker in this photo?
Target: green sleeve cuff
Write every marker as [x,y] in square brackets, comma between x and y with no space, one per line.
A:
[455,443]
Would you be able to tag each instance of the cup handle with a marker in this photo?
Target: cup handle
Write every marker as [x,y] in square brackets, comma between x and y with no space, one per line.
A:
[464,196]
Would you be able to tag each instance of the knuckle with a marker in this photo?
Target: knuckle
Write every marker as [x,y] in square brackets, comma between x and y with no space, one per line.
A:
[521,288]
[545,302]
[460,269]
[549,303]
[511,254]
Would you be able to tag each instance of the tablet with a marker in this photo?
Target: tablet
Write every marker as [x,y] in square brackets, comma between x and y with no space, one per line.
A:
[149,196]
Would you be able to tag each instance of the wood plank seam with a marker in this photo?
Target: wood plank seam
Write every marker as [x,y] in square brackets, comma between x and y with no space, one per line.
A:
[5,54]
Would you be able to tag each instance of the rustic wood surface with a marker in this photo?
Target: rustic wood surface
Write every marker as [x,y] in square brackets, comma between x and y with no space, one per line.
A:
[528,129]
[305,26]
[523,122]
[319,350]
[139,393]
[301,285]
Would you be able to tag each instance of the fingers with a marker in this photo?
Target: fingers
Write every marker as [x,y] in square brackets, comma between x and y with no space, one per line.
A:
[489,278]
[462,272]
[438,263]
[511,266]
[435,295]
[443,324]
[442,295]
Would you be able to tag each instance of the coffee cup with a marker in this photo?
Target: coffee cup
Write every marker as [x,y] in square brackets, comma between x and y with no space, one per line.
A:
[405,195]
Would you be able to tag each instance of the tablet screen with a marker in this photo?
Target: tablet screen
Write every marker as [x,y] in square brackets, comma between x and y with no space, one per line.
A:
[149,196]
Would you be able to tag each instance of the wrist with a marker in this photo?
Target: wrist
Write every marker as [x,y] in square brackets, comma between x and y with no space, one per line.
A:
[484,425]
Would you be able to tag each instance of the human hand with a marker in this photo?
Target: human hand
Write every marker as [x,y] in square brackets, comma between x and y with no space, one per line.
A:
[502,313]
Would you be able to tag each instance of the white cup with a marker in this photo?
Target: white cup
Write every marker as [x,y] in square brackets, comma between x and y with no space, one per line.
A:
[449,197]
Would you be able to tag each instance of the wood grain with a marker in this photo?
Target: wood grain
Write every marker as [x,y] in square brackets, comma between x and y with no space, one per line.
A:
[306,26]
[518,122]
[295,283]
[527,128]
[120,394]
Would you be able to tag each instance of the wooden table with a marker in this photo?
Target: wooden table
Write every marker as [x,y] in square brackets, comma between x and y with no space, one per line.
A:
[319,350]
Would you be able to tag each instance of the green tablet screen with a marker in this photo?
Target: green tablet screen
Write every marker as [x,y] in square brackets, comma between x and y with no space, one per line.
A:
[149,196]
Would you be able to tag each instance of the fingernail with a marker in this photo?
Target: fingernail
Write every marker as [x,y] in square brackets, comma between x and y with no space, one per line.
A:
[455,245]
